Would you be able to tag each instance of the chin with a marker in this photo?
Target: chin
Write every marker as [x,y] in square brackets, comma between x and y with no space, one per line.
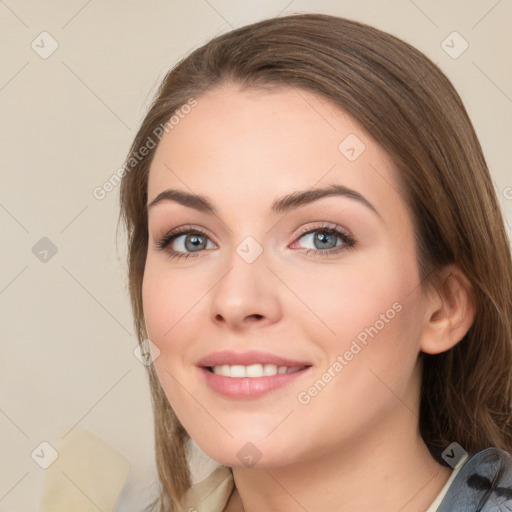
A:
[242,452]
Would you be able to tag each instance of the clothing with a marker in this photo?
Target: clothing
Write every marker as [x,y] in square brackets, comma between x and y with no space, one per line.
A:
[465,489]
[82,473]
[471,489]
[88,474]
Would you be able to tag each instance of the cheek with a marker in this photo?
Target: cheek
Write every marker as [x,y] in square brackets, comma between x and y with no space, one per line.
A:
[369,369]
[170,301]
[344,299]
[155,298]
[171,311]
[369,315]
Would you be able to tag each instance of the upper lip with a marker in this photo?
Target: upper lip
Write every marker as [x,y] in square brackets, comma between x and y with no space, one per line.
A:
[247,359]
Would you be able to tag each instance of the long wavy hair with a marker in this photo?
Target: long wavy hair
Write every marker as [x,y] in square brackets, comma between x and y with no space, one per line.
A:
[411,108]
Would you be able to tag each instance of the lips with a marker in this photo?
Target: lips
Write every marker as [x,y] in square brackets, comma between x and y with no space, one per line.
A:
[227,381]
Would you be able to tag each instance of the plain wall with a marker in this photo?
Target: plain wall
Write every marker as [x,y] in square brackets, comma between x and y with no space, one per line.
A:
[66,123]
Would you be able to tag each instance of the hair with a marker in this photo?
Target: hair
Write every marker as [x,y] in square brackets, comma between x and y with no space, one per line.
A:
[413,111]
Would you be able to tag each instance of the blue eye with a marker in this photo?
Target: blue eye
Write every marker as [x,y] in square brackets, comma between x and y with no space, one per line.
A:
[326,240]
[189,242]
[185,242]
[322,239]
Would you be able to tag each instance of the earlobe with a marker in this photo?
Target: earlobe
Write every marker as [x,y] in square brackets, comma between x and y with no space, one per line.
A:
[450,312]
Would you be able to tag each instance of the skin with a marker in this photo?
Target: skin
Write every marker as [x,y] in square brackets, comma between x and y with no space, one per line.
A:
[244,149]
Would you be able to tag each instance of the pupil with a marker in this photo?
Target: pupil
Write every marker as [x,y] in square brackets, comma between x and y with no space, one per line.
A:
[193,242]
[323,239]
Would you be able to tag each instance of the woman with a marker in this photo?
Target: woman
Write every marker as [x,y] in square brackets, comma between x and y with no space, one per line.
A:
[317,256]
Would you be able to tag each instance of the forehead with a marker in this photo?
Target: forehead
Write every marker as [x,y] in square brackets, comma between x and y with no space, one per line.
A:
[269,143]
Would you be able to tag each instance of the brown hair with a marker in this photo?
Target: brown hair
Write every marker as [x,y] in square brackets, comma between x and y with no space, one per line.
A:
[410,107]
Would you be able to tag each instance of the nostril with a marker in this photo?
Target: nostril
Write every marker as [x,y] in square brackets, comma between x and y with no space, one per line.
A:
[255,316]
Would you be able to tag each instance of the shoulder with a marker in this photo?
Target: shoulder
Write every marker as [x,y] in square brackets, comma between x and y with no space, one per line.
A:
[483,484]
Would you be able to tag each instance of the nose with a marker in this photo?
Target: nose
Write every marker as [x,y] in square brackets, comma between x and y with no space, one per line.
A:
[246,295]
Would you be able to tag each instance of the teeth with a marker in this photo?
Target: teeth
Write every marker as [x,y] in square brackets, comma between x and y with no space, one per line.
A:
[254,370]
[270,369]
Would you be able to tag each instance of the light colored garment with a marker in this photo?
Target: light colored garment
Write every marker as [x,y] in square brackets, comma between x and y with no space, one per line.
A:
[444,490]
[212,493]
[86,476]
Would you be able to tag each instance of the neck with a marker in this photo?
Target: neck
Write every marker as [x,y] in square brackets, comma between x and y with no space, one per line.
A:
[389,471]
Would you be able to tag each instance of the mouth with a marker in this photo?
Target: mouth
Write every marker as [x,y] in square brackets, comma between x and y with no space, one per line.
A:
[250,375]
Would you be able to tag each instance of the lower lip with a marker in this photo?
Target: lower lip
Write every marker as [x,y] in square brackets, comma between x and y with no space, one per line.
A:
[249,387]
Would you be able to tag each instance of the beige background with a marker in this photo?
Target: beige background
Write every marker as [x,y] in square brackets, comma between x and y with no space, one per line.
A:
[66,124]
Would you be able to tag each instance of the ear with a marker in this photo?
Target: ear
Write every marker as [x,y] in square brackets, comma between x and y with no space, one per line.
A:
[450,312]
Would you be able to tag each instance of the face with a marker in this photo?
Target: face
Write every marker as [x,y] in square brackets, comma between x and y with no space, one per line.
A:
[297,258]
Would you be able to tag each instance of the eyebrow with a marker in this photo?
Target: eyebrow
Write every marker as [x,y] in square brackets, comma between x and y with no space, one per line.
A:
[281,205]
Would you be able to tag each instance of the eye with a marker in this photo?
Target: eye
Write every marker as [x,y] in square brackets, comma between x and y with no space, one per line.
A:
[190,242]
[325,240]
[185,242]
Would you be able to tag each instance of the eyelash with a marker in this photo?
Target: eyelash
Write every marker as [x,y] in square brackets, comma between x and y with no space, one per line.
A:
[348,241]
[175,233]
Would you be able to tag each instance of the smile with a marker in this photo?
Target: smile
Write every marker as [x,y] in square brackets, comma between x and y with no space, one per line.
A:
[254,370]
